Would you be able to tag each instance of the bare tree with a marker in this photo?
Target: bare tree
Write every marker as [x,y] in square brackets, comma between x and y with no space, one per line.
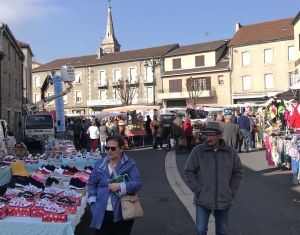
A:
[126,90]
[194,87]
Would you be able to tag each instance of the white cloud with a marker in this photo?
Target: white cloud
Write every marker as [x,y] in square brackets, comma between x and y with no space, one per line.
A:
[17,13]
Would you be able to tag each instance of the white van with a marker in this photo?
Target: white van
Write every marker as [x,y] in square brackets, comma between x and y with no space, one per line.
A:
[7,138]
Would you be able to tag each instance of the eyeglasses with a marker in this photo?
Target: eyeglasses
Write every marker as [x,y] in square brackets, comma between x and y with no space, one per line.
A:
[112,148]
[210,135]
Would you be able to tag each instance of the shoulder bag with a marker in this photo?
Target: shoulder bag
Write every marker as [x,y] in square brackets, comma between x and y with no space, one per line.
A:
[131,207]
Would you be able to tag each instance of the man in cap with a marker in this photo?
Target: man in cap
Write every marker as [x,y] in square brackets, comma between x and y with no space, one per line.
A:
[213,172]
[231,132]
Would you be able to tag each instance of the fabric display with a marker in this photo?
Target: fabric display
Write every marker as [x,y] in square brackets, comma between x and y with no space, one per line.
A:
[294,115]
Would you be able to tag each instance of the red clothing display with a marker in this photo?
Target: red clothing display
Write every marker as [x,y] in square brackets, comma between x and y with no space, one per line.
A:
[295,116]
[187,127]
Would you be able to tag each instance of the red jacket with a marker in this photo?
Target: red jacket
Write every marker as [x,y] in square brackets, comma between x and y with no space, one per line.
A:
[187,127]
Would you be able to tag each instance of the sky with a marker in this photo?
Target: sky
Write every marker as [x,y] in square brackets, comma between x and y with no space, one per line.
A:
[57,29]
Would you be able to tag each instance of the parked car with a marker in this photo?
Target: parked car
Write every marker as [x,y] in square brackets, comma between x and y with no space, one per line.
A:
[168,120]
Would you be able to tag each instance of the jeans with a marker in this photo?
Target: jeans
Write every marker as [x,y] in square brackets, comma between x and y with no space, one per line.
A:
[154,141]
[252,139]
[88,143]
[202,216]
[246,139]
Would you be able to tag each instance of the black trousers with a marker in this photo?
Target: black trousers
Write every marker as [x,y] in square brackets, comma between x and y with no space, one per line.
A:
[189,142]
[77,141]
[109,227]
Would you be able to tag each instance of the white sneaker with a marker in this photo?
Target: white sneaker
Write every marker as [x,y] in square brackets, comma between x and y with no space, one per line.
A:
[32,188]
[19,202]
[42,202]
[12,191]
[54,208]
[72,193]
[2,205]
[52,190]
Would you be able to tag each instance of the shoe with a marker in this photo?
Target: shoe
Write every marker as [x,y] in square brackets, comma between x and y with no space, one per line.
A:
[71,169]
[47,196]
[60,186]
[39,176]
[35,183]
[32,188]
[19,202]
[22,182]
[52,190]
[160,149]
[82,177]
[43,171]
[12,191]
[56,175]
[42,202]
[77,184]
[88,168]
[4,199]
[65,201]
[50,181]
[54,208]
[72,193]
[27,195]
[2,205]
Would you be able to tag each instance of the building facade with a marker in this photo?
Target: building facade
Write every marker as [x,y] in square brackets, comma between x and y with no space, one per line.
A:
[262,60]
[207,64]
[296,24]
[11,75]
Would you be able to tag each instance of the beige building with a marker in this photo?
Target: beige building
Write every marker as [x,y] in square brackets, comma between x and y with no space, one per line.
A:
[11,75]
[96,76]
[262,60]
[208,64]
[296,24]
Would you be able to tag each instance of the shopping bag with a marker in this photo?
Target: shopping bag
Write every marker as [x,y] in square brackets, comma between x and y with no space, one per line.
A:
[172,142]
[182,141]
[131,207]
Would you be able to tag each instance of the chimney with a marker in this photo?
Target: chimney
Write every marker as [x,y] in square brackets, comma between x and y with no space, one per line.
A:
[100,52]
[237,26]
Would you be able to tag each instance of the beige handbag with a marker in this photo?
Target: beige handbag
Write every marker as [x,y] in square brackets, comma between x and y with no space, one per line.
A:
[130,204]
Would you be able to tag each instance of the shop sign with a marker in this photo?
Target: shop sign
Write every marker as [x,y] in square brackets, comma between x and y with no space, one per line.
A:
[103,102]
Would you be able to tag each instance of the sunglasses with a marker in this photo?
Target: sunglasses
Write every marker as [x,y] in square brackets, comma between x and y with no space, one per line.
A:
[112,148]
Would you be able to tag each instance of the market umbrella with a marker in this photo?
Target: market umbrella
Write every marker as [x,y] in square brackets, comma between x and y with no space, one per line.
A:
[130,108]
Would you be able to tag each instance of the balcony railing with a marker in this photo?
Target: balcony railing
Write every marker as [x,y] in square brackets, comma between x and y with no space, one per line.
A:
[100,84]
[148,80]
[167,94]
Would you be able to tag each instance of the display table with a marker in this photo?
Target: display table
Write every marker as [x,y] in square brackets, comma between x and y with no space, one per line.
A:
[5,176]
[81,164]
[33,226]
[135,133]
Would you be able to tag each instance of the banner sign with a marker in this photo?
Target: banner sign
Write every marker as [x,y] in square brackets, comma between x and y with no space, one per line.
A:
[59,104]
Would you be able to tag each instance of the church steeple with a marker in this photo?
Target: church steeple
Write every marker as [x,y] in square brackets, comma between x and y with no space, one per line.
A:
[110,44]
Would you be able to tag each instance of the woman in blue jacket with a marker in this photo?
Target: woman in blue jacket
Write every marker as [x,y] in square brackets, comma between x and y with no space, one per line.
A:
[104,204]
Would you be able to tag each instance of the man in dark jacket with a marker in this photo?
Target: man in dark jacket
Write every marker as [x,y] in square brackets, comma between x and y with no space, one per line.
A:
[77,129]
[214,173]
[177,131]
[244,124]
[231,132]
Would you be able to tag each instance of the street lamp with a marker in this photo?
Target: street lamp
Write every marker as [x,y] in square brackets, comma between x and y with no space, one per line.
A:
[153,63]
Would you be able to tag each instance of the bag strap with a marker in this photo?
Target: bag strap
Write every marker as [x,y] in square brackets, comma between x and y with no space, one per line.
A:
[113,168]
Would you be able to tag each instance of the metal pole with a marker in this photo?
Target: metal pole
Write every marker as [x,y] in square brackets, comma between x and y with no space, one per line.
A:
[153,74]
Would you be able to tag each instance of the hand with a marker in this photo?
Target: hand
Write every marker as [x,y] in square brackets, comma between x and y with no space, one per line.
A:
[114,187]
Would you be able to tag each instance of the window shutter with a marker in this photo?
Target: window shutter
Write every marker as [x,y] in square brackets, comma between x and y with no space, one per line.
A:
[171,86]
[177,63]
[199,61]
[208,84]
[179,85]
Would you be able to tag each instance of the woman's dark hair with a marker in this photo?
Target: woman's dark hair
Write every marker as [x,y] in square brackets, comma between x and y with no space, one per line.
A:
[116,138]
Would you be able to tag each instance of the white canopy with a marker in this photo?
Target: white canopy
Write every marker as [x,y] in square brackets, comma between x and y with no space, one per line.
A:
[102,115]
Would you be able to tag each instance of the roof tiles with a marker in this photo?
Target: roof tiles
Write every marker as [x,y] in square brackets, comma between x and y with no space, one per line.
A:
[262,32]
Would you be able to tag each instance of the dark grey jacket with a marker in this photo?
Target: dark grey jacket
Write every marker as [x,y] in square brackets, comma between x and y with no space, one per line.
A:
[231,133]
[214,176]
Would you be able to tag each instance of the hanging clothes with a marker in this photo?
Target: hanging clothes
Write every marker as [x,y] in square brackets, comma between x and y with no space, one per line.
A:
[295,116]
[269,151]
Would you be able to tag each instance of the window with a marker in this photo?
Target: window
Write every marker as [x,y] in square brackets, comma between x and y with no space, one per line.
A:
[199,61]
[37,81]
[48,95]
[245,58]
[132,73]
[78,77]
[201,84]
[291,51]
[102,94]
[65,99]
[117,75]
[36,97]
[102,78]
[149,94]
[269,82]
[134,94]
[115,94]
[149,74]
[220,80]
[78,96]
[177,63]
[175,85]
[268,55]
[9,84]
[246,83]
[292,78]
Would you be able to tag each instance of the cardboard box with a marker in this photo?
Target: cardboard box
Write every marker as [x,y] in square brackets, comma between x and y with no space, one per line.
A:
[36,211]
[19,211]
[3,212]
[69,209]
[10,195]
[81,191]
[54,218]
[77,200]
